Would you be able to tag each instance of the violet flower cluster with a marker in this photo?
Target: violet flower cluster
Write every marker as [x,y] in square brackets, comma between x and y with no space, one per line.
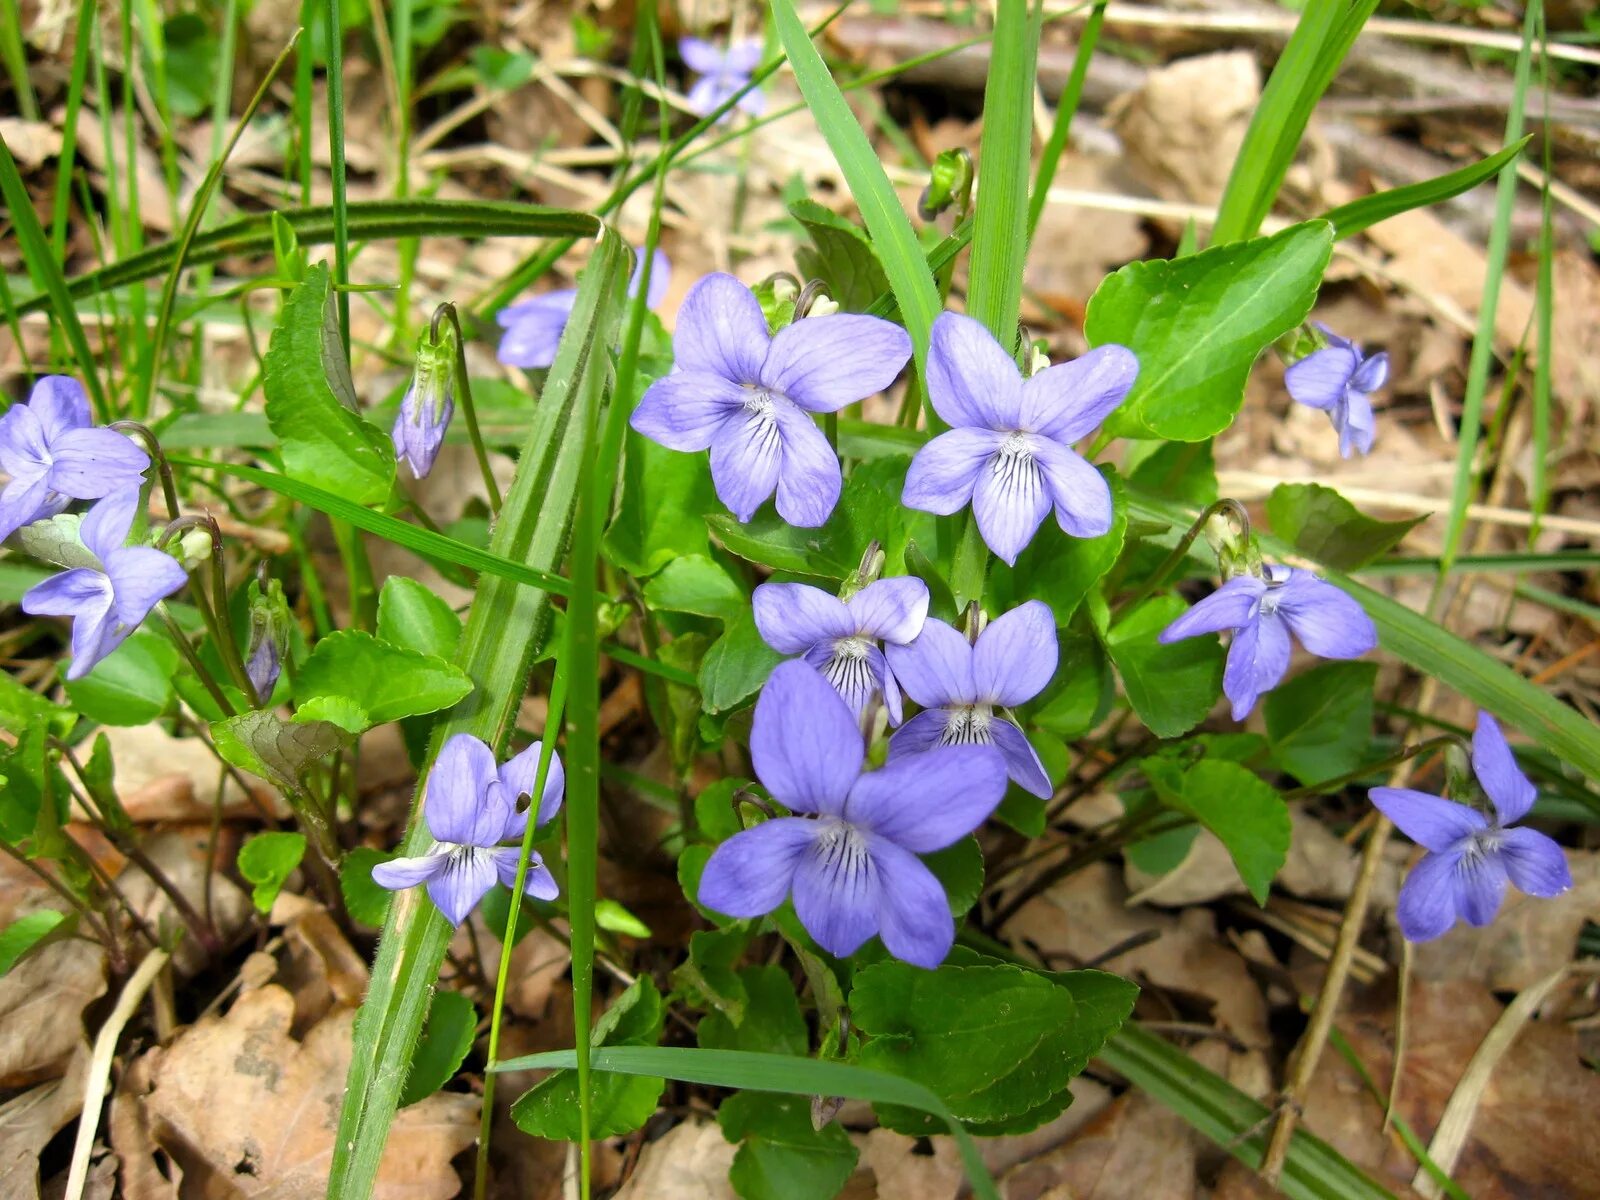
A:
[107,602]
[749,396]
[54,453]
[1339,380]
[850,859]
[1470,856]
[1262,613]
[474,812]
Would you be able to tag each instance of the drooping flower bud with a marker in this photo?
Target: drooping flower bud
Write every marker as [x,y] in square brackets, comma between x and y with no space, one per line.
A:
[949,184]
[270,624]
[429,402]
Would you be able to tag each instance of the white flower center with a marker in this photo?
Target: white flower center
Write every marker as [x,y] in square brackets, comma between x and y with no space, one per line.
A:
[759,403]
[967,725]
[1475,847]
[848,667]
[843,850]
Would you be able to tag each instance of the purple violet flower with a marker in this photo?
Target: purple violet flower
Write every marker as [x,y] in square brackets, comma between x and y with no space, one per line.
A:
[722,73]
[840,637]
[107,603]
[851,861]
[1340,381]
[1010,452]
[427,406]
[960,685]
[533,328]
[1471,857]
[1262,613]
[53,452]
[473,808]
[748,397]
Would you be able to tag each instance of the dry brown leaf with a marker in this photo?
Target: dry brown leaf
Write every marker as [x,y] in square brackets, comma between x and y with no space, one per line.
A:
[31,143]
[237,1101]
[1182,129]
[1319,867]
[28,1121]
[1133,1150]
[1528,1138]
[166,778]
[320,968]
[180,854]
[1075,248]
[40,1002]
[690,1163]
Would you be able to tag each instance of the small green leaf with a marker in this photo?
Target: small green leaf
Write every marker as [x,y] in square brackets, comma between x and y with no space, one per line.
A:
[1060,569]
[1172,687]
[1198,324]
[1246,814]
[781,1156]
[26,932]
[266,861]
[334,710]
[840,255]
[1319,724]
[386,681]
[21,706]
[699,585]
[1182,471]
[769,1019]
[959,870]
[1080,694]
[311,402]
[658,518]
[410,615]
[55,540]
[130,686]
[1352,218]
[737,664]
[707,977]
[619,1104]
[364,899]
[613,917]
[446,1040]
[263,743]
[1323,525]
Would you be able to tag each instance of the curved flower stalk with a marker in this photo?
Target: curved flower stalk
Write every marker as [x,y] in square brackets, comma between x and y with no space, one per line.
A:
[960,685]
[472,809]
[1262,612]
[850,862]
[1339,380]
[1472,857]
[722,73]
[1009,453]
[54,453]
[749,397]
[533,327]
[107,602]
[840,637]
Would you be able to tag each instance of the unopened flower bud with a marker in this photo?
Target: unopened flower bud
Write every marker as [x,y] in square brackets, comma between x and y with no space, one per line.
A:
[429,402]
[777,295]
[949,184]
[270,625]
[194,547]
[1038,360]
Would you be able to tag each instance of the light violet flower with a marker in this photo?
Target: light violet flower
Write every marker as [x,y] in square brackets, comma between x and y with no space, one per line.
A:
[748,397]
[107,603]
[851,861]
[53,452]
[1009,453]
[961,684]
[840,637]
[473,809]
[1340,381]
[1471,857]
[533,328]
[722,73]
[428,405]
[1262,613]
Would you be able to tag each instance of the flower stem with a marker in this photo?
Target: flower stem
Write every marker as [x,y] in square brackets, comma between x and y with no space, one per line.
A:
[181,641]
[552,724]
[468,411]
[1158,577]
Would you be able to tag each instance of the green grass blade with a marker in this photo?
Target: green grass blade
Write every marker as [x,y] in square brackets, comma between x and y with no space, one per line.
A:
[46,273]
[1471,425]
[893,238]
[333,18]
[1231,1119]
[505,625]
[191,225]
[369,220]
[1352,218]
[1544,310]
[16,60]
[782,1073]
[1321,39]
[1431,650]
[1000,222]
[1066,109]
[83,38]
